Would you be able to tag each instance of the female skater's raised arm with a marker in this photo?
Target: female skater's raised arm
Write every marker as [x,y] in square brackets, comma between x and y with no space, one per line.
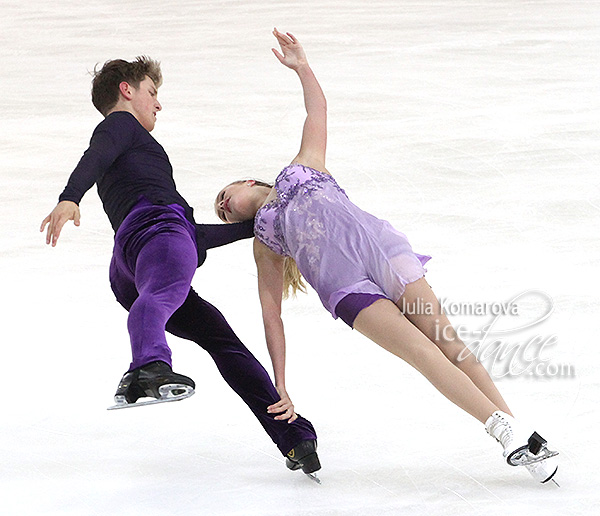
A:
[314,135]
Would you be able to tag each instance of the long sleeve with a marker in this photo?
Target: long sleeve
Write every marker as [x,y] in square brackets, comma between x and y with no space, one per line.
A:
[216,235]
[110,139]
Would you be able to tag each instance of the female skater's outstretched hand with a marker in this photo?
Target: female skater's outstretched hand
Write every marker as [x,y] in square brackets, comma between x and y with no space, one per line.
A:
[284,407]
[293,53]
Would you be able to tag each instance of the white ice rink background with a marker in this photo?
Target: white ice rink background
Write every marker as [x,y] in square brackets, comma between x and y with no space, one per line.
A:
[472,126]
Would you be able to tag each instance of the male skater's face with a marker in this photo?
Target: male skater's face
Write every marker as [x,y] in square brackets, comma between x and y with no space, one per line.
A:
[145,103]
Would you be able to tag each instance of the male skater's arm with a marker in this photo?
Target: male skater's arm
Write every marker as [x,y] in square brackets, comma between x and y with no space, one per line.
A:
[216,235]
[109,140]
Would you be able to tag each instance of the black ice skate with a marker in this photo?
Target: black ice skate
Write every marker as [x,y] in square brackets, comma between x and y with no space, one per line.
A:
[156,381]
[304,456]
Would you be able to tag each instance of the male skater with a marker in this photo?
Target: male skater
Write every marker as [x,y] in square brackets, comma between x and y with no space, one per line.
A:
[158,247]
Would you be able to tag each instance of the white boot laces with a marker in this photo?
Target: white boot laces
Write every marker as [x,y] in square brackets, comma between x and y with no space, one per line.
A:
[500,429]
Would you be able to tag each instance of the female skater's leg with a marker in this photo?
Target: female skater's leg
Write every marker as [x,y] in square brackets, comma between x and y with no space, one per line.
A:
[434,324]
[199,321]
[383,323]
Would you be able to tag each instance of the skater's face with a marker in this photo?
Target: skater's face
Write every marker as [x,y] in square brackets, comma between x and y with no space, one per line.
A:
[144,103]
[238,201]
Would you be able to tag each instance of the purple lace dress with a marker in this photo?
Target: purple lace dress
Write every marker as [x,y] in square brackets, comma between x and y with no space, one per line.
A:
[338,248]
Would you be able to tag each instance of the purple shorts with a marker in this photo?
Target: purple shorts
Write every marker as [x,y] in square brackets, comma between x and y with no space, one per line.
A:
[349,307]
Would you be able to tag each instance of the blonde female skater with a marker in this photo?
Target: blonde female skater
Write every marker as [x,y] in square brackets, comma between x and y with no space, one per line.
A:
[365,273]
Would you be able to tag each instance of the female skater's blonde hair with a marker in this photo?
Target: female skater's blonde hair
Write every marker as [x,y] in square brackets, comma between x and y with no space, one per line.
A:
[292,279]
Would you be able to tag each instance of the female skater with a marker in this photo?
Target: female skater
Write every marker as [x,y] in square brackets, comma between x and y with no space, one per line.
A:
[365,272]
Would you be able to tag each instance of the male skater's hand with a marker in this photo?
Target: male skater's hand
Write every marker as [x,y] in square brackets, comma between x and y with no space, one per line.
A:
[293,53]
[284,407]
[64,211]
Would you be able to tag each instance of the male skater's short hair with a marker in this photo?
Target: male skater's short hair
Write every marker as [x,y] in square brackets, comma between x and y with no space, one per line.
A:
[105,86]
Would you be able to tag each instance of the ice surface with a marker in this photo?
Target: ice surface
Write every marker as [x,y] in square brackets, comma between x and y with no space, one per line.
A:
[472,126]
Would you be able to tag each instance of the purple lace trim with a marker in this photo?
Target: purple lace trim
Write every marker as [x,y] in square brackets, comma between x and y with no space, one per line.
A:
[287,185]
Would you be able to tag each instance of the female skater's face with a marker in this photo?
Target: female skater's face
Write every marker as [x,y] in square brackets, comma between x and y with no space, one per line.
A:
[236,202]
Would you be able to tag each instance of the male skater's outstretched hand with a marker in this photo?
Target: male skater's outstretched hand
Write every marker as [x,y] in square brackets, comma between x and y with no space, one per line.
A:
[64,211]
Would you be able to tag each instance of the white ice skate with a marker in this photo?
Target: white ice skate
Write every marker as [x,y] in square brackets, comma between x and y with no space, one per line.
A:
[523,447]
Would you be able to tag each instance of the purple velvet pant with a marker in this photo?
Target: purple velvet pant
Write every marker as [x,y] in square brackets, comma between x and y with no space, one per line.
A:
[154,260]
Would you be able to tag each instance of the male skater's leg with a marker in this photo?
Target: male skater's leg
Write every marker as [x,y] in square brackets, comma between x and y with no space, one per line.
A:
[199,321]
[164,270]
[151,272]
[154,261]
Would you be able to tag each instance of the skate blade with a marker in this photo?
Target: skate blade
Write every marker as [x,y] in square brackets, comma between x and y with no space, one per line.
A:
[551,478]
[314,477]
[168,392]
[526,458]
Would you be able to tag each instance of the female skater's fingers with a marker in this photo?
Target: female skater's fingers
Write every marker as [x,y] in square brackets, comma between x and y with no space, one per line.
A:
[282,38]
[286,415]
[278,55]
[284,407]
[280,406]
[276,33]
